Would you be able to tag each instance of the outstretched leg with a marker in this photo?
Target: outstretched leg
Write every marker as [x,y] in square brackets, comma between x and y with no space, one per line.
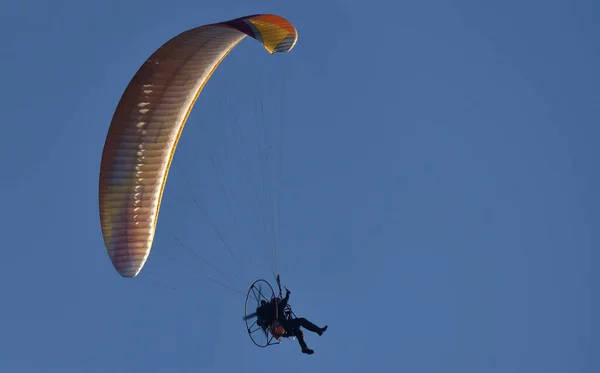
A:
[302,322]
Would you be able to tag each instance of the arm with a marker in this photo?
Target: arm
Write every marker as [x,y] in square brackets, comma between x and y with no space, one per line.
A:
[284,301]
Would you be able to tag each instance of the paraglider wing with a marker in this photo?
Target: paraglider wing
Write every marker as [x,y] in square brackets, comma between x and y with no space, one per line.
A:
[148,122]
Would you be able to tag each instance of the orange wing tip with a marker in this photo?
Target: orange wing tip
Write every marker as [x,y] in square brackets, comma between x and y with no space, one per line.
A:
[275,33]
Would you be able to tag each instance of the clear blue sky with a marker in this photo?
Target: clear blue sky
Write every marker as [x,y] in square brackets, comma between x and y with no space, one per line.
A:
[439,197]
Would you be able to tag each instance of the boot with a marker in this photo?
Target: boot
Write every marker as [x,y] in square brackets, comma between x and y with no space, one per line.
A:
[322,330]
[307,350]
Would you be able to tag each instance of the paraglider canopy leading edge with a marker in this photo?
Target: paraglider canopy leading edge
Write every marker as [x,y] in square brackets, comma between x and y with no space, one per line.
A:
[149,120]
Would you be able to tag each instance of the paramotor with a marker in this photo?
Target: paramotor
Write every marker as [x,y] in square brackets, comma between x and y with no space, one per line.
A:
[261,314]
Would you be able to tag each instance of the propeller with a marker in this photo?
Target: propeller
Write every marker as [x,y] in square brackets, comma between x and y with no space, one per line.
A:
[253,314]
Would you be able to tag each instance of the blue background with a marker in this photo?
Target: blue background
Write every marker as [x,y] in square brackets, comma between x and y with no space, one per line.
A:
[439,205]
